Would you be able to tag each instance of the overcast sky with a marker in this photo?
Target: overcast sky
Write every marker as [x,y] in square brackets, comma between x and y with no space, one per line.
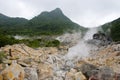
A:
[88,13]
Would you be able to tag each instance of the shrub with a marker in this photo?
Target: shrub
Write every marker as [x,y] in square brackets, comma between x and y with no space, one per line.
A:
[53,43]
[5,40]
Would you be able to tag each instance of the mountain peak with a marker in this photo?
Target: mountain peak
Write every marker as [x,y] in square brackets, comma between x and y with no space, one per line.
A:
[57,10]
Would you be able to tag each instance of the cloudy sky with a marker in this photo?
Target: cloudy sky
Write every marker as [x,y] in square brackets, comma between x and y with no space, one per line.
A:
[88,13]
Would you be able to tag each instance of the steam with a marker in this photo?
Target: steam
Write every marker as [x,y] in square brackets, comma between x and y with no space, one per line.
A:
[69,37]
[90,33]
[81,49]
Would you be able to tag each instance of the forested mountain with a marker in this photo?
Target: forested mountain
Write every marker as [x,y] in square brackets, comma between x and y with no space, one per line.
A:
[53,22]
[113,28]
[10,25]
[47,23]
[9,21]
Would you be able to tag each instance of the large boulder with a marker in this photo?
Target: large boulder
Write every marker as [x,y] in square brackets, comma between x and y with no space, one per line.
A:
[13,72]
[87,69]
[106,73]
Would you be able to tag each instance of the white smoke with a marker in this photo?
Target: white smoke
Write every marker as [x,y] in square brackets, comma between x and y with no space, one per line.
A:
[82,49]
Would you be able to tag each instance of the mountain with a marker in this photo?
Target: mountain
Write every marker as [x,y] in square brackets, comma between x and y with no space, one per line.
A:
[10,25]
[54,22]
[9,21]
[113,28]
[46,23]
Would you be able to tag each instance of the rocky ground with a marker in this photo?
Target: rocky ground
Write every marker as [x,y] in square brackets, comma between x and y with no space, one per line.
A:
[49,63]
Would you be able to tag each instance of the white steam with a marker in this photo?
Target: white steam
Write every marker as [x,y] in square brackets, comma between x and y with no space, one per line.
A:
[69,37]
[82,49]
[90,33]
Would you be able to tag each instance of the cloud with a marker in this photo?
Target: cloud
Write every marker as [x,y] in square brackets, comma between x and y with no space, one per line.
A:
[88,13]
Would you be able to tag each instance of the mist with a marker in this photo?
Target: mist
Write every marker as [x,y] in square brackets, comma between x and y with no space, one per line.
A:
[82,48]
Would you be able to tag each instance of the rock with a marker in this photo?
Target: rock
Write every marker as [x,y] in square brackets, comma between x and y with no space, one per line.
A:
[106,73]
[86,69]
[59,75]
[31,73]
[80,76]
[95,75]
[117,76]
[1,77]
[28,60]
[71,74]
[45,71]
[14,58]
[13,72]
[74,75]
[7,61]
[23,64]
[47,63]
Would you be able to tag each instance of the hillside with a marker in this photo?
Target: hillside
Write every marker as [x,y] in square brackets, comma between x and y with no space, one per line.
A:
[113,28]
[47,23]
[53,22]
[10,24]
[9,21]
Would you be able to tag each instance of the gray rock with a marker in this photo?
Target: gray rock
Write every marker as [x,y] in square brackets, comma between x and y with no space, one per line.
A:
[31,74]
[87,69]
[106,73]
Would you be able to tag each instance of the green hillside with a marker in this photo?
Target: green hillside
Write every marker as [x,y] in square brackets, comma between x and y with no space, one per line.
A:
[9,25]
[113,28]
[54,22]
[47,23]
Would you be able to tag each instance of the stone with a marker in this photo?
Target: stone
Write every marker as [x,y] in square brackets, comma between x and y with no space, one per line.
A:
[13,72]
[1,77]
[31,73]
[74,75]
[14,58]
[45,71]
[95,75]
[71,74]
[7,61]
[80,76]
[106,73]
[117,76]
[87,68]
[23,64]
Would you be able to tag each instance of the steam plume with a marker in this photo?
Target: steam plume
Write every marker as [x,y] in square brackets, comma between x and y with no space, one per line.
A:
[81,49]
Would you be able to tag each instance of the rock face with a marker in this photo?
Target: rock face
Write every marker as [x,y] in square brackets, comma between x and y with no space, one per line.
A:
[13,72]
